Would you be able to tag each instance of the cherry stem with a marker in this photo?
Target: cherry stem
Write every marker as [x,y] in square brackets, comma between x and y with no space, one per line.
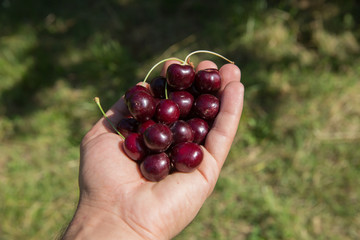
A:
[157,64]
[166,92]
[206,51]
[97,101]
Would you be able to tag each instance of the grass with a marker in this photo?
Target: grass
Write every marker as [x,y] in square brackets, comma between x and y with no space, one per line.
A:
[293,171]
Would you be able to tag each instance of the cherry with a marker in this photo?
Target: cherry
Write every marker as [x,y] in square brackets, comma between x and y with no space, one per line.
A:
[141,106]
[158,137]
[182,132]
[157,87]
[184,100]
[208,80]
[167,111]
[157,125]
[134,90]
[144,125]
[180,76]
[155,167]
[200,128]
[206,106]
[186,156]
[134,147]
[127,126]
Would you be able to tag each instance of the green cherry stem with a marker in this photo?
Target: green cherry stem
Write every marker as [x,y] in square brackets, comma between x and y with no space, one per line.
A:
[97,101]
[164,60]
[166,92]
[206,51]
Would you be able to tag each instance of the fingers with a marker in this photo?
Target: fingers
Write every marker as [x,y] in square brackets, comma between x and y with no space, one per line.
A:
[221,135]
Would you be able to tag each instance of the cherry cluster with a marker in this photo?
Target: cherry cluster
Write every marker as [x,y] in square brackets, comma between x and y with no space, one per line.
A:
[169,120]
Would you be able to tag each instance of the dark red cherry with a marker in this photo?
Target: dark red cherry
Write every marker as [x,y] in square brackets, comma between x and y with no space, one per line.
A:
[206,106]
[144,125]
[157,87]
[135,89]
[200,128]
[167,111]
[155,167]
[158,137]
[127,126]
[180,76]
[182,132]
[134,147]
[186,156]
[141,106]
[184,100]
[208,80]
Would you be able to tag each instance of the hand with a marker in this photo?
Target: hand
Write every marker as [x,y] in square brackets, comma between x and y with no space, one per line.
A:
[116,202]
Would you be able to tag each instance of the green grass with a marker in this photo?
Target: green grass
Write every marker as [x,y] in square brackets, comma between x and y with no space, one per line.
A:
[293,171]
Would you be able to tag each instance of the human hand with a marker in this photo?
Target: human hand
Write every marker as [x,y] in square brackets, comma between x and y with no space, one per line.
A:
[116,202]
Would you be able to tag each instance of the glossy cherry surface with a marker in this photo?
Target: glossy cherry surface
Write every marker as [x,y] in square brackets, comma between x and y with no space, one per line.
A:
[182,132]
[135,89]
[186,156]
[157,87]
[200,129]
[155,167]
[184,100]
[206,106]
[144,125]
[167,111]
[180,76]
[158,137]
[208,80]
[134,147]
[141,106]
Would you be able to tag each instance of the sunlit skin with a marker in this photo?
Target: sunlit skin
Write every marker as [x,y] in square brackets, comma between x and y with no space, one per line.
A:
[117,202]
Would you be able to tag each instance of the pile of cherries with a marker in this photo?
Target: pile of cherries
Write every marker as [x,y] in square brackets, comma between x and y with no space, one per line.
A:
[170,119]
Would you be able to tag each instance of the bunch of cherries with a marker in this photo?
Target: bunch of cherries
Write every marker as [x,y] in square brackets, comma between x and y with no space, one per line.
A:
[170,119]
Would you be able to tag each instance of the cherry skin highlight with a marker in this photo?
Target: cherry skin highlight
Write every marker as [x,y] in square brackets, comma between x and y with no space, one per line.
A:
[184,100]
[167,111]
[141,106]
[134,147]
[186,156]
[157,87]
[155,167]
[206,106]
[200,129]
[182,132]
[158,137]
[208,80]
[180,76]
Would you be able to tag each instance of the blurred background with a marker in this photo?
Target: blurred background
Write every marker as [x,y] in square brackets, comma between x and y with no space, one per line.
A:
[294,168]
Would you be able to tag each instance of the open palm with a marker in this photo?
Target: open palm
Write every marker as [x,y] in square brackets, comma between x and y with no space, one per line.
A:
[112,187]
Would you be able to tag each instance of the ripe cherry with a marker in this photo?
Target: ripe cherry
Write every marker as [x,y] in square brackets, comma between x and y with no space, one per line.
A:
[134,90]
[127,126]
[141,106]
[167,111]
[180,76]
[144,125]
[200,128]
[155,167]
[184,100]
[208,80]
[157,87]
[186,156]
[206,106]
[134,147]
[182,132]
[158,137]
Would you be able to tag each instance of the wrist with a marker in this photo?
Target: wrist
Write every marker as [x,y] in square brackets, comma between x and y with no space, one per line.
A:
[91,222]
